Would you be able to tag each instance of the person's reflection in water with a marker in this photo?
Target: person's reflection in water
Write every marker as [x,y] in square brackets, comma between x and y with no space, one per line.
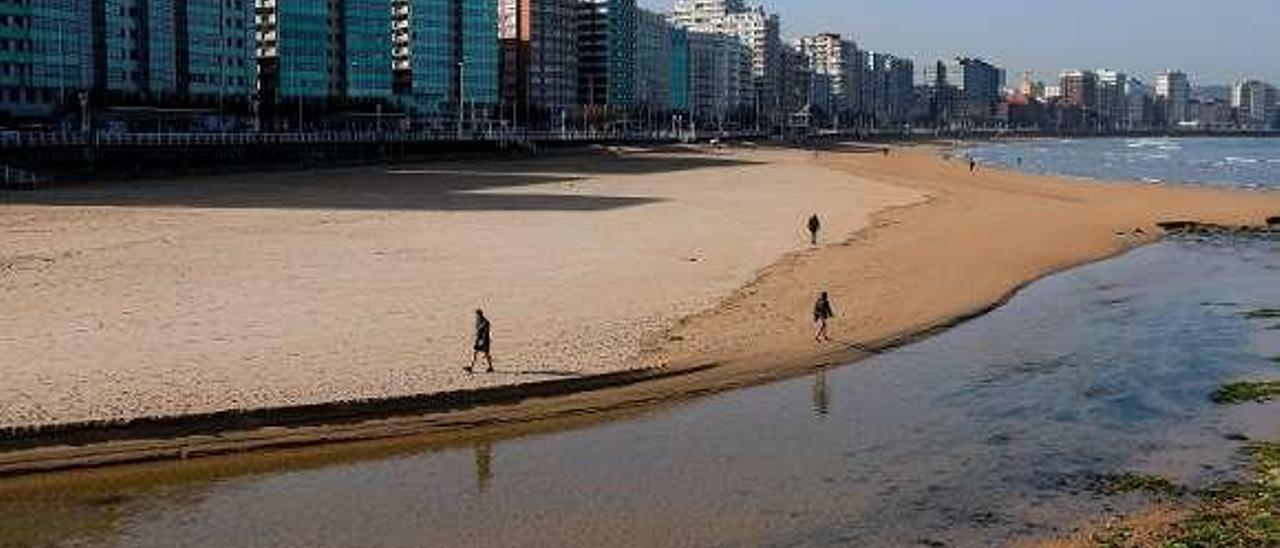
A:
[484,465]
[821,395]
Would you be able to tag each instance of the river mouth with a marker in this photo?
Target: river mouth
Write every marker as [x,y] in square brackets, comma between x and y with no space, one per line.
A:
[992,432]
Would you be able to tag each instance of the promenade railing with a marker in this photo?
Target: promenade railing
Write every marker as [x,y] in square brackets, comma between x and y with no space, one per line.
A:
[15,139]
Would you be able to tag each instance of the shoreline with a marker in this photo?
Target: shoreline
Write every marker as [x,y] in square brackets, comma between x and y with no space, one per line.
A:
[704,339]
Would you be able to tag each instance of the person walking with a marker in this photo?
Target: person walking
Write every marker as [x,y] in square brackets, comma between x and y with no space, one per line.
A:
[483,342]
[973,165]
[821,313]
[814,226]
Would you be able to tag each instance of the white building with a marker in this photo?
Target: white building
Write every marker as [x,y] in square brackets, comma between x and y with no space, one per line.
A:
[1255,104]
[755,28]
[699,13]
[836,58]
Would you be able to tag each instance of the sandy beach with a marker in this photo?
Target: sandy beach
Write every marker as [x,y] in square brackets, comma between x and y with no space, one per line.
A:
[231,293]
[175,297]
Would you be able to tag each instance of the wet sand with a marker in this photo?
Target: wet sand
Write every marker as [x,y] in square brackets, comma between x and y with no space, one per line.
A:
[244,292]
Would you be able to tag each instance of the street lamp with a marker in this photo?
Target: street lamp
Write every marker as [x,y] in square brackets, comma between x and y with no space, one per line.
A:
[462,93]
[84,112]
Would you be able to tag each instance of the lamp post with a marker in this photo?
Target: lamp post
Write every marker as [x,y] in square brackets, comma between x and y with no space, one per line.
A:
[255,118]
[462,94]
[85,124]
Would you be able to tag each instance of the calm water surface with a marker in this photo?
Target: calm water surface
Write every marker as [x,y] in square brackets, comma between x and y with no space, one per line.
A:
[988,433]
[1244,163]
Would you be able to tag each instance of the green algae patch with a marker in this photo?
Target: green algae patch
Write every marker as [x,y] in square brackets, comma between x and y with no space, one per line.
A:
[1246,392]
[1132,482]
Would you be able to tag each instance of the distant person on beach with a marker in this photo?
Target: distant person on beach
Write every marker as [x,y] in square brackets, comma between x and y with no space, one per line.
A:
[814,226]
[973,165]
[482,344]
[821,313]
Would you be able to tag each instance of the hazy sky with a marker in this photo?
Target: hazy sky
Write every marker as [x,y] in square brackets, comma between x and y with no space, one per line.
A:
[1214,41]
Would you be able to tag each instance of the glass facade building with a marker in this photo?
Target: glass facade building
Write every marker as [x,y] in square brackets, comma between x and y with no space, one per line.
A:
[653,61]
[680,69]
[540,58]
[297,49]
[138,55]
[216,48]
[448,36]
[607,52]
[366,40]
[478,28]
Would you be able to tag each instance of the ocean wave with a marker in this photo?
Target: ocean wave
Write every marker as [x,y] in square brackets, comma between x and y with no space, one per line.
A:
[1238,160]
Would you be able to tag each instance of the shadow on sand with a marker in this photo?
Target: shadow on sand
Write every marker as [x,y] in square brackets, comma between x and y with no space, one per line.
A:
[443,186]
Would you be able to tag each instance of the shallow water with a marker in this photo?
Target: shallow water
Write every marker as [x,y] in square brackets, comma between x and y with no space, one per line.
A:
[987,433]
[1230,162]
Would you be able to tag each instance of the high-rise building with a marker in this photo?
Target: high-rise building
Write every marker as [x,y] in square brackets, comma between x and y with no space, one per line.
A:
[702,13]
[679,69]
[900,92]
[797,79]
[446,55]
[607,52]
[974,86]
[136,49]
[1138,98]
[50,56]
[1080,89]
[366,47]
[1255,104]
[888,84]
[757,29]
[836,58]
[1112,100]
[1173,92]
[539,57]
[215,56]
[719,76]
[654,61]
[299,50]
[760,31]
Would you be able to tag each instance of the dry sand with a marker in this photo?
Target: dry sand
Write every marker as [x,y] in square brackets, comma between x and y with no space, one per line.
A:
[197,295]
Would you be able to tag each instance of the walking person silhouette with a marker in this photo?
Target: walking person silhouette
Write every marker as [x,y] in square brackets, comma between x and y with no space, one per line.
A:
[483,342]
[814,226]
[822,312]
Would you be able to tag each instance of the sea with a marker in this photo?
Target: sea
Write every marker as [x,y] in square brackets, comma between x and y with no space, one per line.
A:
[1250,163]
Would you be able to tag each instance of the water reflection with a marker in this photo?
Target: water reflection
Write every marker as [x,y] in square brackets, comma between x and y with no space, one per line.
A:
[484,465]
[821,395]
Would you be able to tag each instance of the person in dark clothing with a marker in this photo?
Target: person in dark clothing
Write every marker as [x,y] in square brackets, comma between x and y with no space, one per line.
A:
[483,341]
[814,226]
[821,313]
[973,165]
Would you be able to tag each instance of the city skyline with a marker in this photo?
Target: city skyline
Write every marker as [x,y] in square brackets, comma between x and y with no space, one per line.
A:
[1140,37]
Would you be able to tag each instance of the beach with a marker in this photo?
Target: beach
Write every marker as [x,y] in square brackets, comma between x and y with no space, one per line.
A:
[173,297]
[232,293]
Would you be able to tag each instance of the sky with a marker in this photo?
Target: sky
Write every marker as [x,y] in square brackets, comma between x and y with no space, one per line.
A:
[1215,42]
